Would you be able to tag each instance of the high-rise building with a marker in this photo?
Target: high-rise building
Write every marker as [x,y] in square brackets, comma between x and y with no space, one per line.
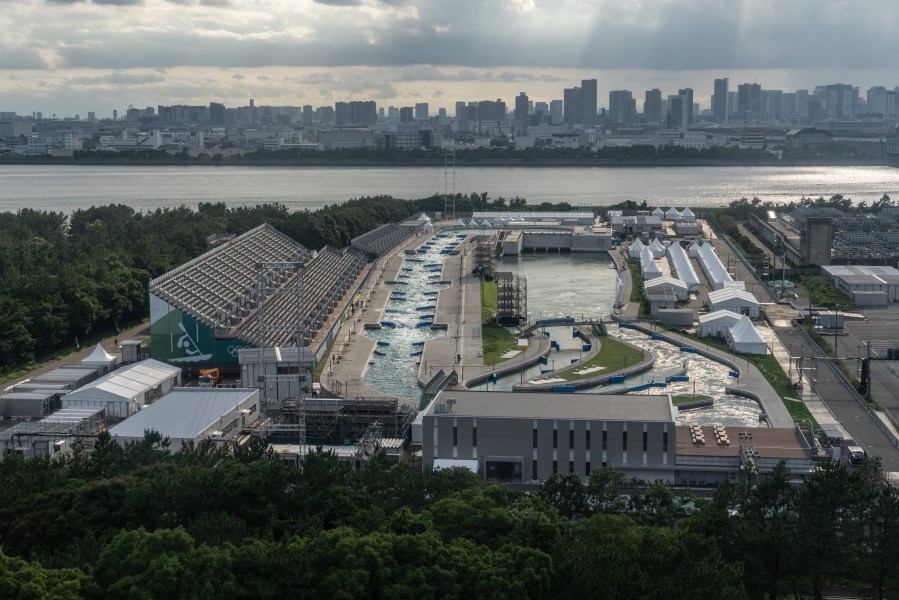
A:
[801,102]
[441,113]
[308,114]
[460,111]
[556,111]
[719,101]
[622,107]
[356,113]
[652,106]
[254,116]
[216,113]
[541,108]
[588,101]
[521,107]
[839,100]
[421,111]
[491,110]
[749,100]
[877,100]
[572,98]
[687,94]
[407,114]
[678,112]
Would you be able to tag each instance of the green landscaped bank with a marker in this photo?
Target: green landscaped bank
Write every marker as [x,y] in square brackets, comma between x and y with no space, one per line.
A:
[496,339]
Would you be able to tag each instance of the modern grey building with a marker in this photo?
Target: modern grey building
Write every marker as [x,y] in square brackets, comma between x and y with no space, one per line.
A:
[524,438]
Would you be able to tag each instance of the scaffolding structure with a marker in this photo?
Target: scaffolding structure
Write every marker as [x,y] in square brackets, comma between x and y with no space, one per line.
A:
[484,253]
[56,433]
[336,421]
[282,418]
[511,299]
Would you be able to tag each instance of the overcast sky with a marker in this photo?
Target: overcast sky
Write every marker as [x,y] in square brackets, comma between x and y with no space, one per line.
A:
[75,56]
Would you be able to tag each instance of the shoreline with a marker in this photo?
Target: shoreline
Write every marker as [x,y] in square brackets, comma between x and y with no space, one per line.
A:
[432,163]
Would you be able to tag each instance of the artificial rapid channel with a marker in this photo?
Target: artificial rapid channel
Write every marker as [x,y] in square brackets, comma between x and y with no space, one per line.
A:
[559,285]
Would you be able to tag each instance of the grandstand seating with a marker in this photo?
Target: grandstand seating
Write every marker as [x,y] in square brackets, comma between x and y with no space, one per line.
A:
[380,240]
[325,281]
[221,283]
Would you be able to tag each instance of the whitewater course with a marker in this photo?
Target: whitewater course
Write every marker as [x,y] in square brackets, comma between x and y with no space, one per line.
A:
[418,321]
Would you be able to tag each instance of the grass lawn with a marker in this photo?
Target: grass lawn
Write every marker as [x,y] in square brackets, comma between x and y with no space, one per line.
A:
[495,339]
[687,398]
[636,285]
[612,356]
[488,299]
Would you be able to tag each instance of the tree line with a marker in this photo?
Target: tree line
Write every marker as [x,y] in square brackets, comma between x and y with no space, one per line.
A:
[64,277]
[138,521]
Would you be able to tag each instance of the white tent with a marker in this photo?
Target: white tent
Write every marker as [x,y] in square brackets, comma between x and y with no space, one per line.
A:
[738,301]
[99,358]
[486,223]
[682,268]
[716,324]
[693,250]
[687,216]
[744,337]
[680,289]
[459,223]
[657,249]
[648,266]
[671,214]
[658,212]
[635,248]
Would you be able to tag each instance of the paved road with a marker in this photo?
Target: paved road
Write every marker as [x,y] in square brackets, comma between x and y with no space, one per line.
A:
[139,330]
[832,391]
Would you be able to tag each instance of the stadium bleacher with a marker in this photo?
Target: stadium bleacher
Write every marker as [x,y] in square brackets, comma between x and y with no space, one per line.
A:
[381,239]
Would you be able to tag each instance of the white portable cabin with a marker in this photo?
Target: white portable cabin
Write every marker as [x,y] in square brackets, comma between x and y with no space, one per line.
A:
[744,337]
[193,415]
[738,301]
[716,324]
[122,392]
[680,289]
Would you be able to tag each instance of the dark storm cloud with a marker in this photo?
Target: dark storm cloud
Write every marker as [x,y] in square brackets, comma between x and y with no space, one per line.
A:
[516,34]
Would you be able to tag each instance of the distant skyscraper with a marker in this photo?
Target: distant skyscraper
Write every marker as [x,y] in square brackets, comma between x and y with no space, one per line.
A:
[678,112]
[572,105]
[749,100]
[356,113]
[556,111]
[521,107]
[588,101]
[877,100]
[491,110]
[422,111]
[407,114]
[253,115]
[687,94]
[308,114]
[719,101]
[622,107]
[441,112]
[460,111]
[839,100]
[652,106]
[541,108]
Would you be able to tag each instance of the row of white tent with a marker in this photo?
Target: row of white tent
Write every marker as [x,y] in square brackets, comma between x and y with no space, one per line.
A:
[682,268]
[656,248]
[672,214]
[742,335]
[711,265]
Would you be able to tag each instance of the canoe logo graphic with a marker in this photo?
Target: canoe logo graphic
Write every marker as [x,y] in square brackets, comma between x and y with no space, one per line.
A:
[189,346]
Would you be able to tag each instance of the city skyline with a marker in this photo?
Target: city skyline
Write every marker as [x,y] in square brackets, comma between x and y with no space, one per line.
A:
[69,57]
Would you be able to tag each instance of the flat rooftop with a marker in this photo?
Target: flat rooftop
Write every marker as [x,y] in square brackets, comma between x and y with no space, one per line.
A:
[184,413]
[776,442]
[545,405]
